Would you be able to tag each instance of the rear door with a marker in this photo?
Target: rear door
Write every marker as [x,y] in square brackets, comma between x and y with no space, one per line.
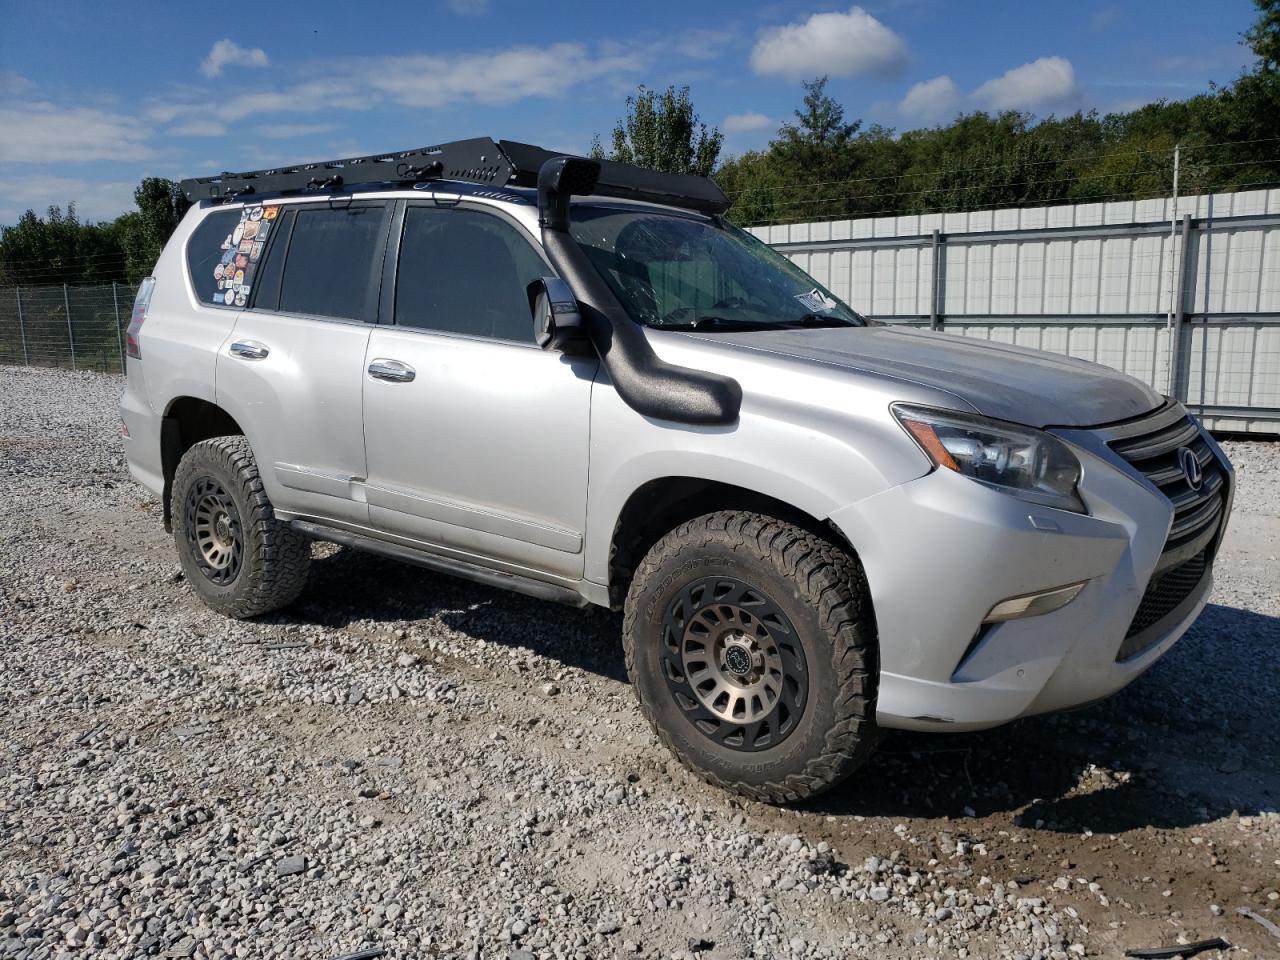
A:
[477,440]
[292,370]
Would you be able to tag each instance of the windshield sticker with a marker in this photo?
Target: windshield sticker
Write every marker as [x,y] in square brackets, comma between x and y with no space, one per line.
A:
[816,300]
[270,213]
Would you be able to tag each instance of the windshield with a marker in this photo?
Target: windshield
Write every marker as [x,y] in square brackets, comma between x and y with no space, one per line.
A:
[680,272]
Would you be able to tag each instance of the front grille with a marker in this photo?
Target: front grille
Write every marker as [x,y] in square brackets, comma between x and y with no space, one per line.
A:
[1165,592]
[1152,446]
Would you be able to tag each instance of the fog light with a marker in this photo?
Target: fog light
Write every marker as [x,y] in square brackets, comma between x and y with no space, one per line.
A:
[1033,604]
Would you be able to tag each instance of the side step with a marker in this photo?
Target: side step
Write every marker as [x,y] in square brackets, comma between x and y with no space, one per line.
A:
[454,568]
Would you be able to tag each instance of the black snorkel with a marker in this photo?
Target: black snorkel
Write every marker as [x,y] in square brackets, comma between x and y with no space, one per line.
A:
[649,385]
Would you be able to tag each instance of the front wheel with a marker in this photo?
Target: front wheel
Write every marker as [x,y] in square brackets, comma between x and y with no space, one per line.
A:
[237,556]
[751,646]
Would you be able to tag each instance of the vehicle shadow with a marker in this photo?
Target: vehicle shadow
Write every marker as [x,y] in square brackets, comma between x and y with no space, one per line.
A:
[1168,751]
[349,586]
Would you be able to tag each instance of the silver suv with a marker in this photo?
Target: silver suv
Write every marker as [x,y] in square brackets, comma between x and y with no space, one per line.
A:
[576,380]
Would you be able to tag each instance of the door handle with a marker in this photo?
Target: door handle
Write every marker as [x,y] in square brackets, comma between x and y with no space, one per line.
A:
[392,371]
[249,350]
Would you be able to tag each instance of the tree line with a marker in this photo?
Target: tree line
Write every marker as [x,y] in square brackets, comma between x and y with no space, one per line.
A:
[61,248]
[822,165]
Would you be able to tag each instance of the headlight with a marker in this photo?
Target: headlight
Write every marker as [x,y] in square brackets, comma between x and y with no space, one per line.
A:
[1021,461]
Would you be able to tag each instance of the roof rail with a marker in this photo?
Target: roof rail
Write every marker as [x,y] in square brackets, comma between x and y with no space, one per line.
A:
[477,160]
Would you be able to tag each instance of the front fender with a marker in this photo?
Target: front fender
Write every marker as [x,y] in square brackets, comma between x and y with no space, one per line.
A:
[793,451]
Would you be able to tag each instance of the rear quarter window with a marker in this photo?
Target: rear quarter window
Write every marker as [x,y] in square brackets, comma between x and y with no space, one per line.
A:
[224,251]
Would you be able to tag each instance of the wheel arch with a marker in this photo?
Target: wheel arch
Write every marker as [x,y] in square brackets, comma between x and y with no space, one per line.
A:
[187,421]
[659,505]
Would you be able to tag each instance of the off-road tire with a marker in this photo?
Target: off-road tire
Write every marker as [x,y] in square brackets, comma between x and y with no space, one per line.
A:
[275,559]
[822,590]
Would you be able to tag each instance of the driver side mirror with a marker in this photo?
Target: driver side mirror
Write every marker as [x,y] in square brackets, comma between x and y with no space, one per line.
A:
[556,317]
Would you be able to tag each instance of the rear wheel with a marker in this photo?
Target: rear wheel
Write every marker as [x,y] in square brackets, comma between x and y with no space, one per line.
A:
[751,645]
[237,556]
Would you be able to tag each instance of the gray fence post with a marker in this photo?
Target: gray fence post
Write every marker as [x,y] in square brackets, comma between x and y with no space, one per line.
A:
[22,327]
[1206,232]
[1180,359]
[935,284]
[71,336]
[115,300]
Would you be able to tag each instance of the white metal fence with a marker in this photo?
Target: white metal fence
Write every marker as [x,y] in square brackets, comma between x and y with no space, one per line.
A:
[1089,280]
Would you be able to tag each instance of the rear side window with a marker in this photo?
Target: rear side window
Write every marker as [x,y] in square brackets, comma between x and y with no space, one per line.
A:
[210,254]
[462,271]
[329,267]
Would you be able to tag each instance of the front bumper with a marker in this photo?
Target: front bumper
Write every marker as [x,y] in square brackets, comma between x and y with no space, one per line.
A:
[941,551]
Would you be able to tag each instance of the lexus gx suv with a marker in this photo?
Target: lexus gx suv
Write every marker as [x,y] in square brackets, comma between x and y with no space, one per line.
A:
[575,379]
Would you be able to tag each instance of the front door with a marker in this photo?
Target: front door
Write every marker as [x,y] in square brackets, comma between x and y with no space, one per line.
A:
[477,440]
[292,370]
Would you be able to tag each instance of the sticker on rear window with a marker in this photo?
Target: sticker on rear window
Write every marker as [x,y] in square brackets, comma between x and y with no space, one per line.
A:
[816,300]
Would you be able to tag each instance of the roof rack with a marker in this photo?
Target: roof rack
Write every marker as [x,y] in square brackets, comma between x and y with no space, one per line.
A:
[477,160]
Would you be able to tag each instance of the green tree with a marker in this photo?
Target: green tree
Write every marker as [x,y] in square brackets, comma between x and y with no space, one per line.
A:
[142,233]
[662,131]
[1263,38]
[58,248]
[820,124]
[61,248]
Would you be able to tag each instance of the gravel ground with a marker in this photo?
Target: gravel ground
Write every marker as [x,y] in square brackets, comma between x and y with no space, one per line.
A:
[415,765]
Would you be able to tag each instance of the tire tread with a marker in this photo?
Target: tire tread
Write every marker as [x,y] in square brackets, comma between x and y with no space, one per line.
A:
[829,578]
[277,575]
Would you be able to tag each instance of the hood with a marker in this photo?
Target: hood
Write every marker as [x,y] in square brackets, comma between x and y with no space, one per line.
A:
[996,379]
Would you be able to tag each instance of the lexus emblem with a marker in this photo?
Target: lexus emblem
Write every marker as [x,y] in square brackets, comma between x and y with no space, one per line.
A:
[1191,467]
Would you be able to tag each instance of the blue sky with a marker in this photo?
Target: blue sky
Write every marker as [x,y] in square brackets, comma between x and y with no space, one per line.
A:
[92,101]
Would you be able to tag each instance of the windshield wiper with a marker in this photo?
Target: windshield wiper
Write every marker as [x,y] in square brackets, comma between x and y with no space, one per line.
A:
[817,320]
[710,322]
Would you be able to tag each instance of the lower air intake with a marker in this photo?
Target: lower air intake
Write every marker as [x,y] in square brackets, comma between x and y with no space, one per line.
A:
[1162,597]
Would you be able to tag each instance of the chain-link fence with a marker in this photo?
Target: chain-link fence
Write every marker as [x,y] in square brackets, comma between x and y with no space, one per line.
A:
[75,327]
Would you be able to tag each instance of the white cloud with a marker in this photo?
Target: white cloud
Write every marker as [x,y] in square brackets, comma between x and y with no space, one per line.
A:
[11,82]
[312,96]
[287,131]
[840,44]
[421,80]
[746,123]
[468,8]
[497,77]
[94,200]
[934,99]
[229,53]
[197,128]
[699,44]
[45,133]
[1104,19]
[1048,81]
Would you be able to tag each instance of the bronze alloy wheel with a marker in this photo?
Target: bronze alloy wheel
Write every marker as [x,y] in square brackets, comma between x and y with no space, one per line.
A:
[734,664]
[214,534]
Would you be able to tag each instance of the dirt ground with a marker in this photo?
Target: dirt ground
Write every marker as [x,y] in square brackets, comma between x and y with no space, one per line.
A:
[474,760]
